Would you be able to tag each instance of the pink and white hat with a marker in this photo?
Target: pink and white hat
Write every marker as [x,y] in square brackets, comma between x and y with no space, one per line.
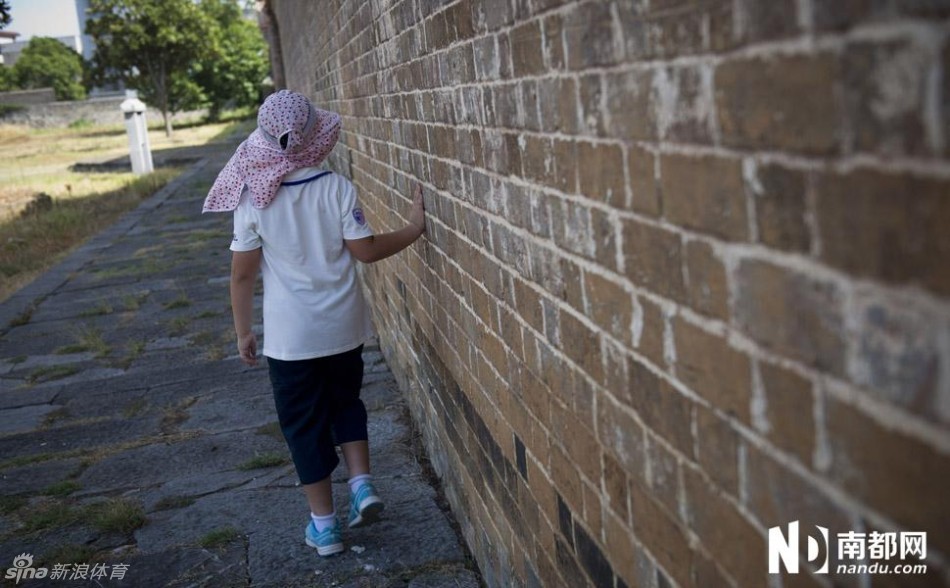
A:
[291,133]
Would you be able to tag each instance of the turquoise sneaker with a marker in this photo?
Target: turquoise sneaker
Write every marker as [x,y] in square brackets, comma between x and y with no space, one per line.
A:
[326,543]
[365,506]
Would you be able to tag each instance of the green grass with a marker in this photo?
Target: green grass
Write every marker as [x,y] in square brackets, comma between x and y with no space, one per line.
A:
[101,310]
[219,537]
[181,302]
[87,339]
[50,373]
[271,430]
[69,552]
[62,489]
[264,460]
[52,514]
[173,502]
[11,504]
[117,515]
[34,161]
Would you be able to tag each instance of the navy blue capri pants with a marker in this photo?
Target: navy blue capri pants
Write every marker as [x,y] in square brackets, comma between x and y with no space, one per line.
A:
[318,406]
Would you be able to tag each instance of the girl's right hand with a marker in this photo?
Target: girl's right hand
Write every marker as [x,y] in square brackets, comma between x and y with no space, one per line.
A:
[417,216]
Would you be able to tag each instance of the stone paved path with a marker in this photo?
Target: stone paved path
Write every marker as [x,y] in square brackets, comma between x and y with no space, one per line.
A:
[130,434]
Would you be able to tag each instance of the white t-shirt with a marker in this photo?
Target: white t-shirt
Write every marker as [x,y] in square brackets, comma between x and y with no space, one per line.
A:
[313,306]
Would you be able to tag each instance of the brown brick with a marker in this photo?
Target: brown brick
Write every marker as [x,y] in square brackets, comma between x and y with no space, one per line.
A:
[584,346]
[890,471]
[732,541]
[611,305]
[794,314]
[884,226]
[590,113]
[630,105]
[885,86]
[778,496]
[642,168]
[559,105]
[664,474]
[589,36]
[620,548]
[652,333]
[553,43]
[714,370]
[578,441]
[526,51]
[665,410]
[653,259]
[781,209]
[660,533]
[718,445]
[706,286]
[616,487]
[600,169]
[685,102]
[789,405]
[564,177]
[786,102]
[622,437]
[705,193]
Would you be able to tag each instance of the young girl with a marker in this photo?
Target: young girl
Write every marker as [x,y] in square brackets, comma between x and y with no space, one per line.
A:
[302,227]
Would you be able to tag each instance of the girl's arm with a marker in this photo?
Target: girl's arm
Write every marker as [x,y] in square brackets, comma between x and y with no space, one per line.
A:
[245,266]
[377,247]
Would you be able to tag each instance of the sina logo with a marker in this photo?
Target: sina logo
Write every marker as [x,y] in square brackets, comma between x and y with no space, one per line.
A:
[23,569]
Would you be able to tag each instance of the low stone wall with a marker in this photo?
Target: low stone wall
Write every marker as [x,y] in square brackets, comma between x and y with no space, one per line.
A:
[97,111]
[28,97]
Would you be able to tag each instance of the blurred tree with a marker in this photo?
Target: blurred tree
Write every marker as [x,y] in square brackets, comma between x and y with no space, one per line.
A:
[232,76]
[152,46]
[7,79]
[4,13]
[47,63]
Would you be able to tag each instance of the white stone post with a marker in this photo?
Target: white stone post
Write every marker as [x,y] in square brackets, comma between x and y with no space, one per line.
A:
[139,151]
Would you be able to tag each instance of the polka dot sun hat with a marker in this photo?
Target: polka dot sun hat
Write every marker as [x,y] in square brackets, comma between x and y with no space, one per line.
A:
[291,133]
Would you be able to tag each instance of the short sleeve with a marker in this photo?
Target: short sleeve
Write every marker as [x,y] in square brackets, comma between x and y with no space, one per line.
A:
[355,225]
[245,236]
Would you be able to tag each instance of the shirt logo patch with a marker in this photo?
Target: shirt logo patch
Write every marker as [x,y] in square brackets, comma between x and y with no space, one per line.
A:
[358,216]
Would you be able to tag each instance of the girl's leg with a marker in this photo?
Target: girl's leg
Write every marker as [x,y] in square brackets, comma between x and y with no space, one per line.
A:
[356,456]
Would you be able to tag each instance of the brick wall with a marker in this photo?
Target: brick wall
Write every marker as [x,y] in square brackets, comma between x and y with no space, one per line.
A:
[686,276]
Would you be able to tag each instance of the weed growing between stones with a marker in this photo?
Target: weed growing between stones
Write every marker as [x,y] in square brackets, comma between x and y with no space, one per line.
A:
[264,460]
[173,502]
[50,373]
[117,515]
[219,537]
[62,489]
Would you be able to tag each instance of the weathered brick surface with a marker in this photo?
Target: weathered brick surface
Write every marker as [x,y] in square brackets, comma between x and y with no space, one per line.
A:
[686,274]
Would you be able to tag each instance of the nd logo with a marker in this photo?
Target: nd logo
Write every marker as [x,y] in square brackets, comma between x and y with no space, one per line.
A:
[786,547]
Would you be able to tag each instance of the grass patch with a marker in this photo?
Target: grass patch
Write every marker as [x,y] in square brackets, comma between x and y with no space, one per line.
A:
[173,502]
[208,314]
[11,504]
[178,325]
[47,515]
[50,373]
[133,351]
[135,301]
[87,340]
[181,302]
[101,310]
[51,418]
[62,489]
[34,161]
[69,552]
[219,538]
[264,460]
[31,244]
[271,430]
[117,515]
[135,408]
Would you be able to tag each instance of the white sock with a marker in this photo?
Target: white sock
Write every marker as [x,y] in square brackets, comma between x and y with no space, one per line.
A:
[356,482]
[323,523]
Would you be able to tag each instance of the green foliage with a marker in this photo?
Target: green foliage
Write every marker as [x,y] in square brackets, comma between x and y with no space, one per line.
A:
[7,79]
[151,46]
[179,54]
[4,13]
[239,63]
[47,63]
